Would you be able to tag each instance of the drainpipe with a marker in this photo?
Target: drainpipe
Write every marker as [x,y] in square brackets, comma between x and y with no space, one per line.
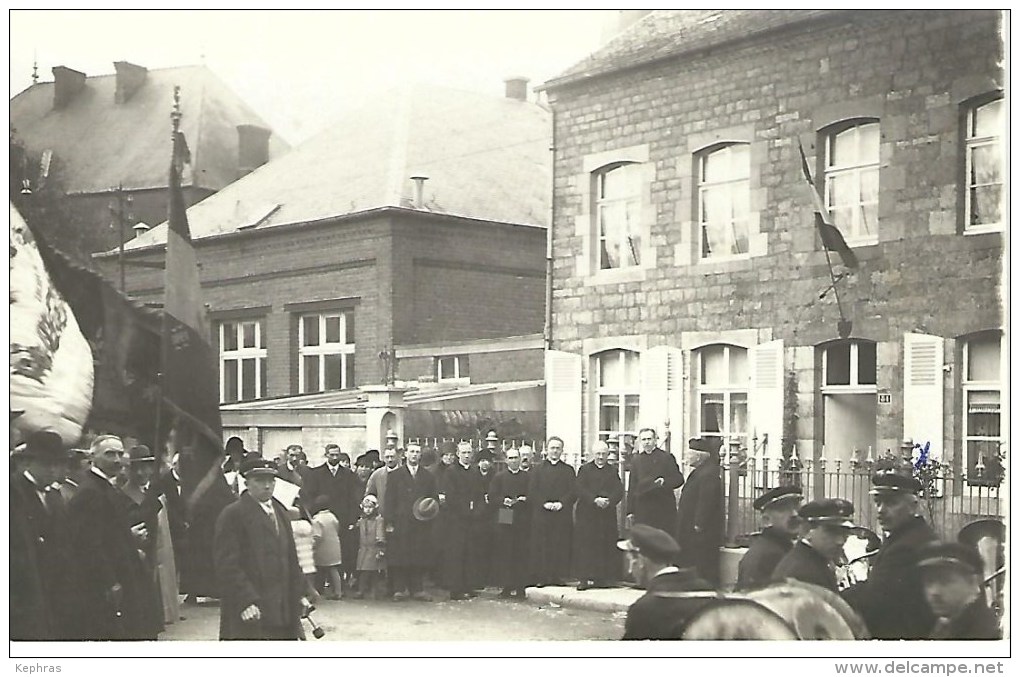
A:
[549,239]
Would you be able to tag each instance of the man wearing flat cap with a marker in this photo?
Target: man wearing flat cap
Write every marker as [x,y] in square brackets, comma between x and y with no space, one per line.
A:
[700,512]
[407,536]
[42,568]
[825,526]
[261,584]
[654,474]
[651,557]
[891,601]
[778,507]
[952,575]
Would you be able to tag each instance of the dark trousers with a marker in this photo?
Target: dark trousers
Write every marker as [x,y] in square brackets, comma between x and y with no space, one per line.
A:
[406,578]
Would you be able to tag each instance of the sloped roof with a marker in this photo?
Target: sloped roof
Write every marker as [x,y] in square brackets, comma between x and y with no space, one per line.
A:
[485,157]
[666,33]
[101,143]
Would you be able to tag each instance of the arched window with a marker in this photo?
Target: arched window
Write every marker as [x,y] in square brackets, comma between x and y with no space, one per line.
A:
[851,179]
[724,200]
[617,215]
[617,388]
[722,379]
[984,166]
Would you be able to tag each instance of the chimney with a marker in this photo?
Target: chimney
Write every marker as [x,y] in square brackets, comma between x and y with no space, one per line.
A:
[130,79]
[419,191]
[252,148]
[517,88]
[67,82]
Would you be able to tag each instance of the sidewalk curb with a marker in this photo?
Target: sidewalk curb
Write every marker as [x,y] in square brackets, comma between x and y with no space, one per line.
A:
[610,600]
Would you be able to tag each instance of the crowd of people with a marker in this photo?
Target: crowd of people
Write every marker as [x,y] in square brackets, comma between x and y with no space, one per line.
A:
[103,545]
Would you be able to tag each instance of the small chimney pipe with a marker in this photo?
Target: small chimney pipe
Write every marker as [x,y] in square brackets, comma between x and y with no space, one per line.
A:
[419,191]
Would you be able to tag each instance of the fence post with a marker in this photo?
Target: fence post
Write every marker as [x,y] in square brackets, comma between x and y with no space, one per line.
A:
[733,500]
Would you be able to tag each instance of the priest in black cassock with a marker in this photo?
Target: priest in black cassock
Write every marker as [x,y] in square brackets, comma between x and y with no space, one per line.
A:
[509,494]
[551,492]
[460,499]
[654,474]
[599,491]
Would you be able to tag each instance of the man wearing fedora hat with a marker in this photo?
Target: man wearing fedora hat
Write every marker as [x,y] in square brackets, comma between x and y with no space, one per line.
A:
[651,558]
[261,584]
[42,571]
[826,525]
[778,507]
[700,511]
[891,600]
[412,499]
[952,576]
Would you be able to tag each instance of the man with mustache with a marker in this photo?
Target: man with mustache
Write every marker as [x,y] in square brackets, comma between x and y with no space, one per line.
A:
[778,507]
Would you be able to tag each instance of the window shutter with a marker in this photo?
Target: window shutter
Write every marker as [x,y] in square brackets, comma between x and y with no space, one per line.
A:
[563,400]
[661,395]
[922,391]
[765,398]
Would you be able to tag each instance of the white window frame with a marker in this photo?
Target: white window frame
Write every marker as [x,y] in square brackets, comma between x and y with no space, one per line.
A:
[727,390]
[968,387]
[258,353]
[458,360]
[972,143]
[605,433]
[853,232]
[632,211]
[323,349]
[733,184]
[855,387]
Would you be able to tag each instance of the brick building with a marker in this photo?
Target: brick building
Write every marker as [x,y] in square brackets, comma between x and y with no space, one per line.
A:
[687,270]
[415,226]
[106,131]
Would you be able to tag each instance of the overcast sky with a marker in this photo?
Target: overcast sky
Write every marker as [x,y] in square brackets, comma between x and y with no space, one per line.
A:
[300,69]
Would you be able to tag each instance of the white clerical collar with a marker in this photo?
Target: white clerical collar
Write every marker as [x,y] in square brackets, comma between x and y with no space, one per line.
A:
[552,462]
[466,467]
[597,465]
[514,472]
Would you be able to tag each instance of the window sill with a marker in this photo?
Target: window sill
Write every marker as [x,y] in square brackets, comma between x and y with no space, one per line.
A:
[850,390]
[863,242]
[617,276]
[984,229]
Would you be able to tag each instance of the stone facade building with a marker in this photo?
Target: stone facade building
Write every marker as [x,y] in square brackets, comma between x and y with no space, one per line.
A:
[689,282]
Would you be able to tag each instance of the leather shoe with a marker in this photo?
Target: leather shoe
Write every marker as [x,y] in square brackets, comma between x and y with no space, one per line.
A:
[400,596]
[506,593]
[458,596]
[584,585]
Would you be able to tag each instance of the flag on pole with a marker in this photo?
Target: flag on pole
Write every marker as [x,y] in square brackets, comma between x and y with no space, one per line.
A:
[189,381]
[832,238]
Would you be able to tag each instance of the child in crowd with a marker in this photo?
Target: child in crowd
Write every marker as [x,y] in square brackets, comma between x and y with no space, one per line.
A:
[371,553]
[327,548]
[305,536]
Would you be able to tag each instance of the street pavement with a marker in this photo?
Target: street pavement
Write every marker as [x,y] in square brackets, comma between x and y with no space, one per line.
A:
[485,618]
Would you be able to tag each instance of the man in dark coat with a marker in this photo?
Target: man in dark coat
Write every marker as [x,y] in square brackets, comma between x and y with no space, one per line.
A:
[952,574]
[551,492]
[651,553]
[654,474]
[599,491]
[509,494]
[891,601]
[260,580]
[700,513]
[825,525]
[407,537]
[113,595]
[42,569]
[778,507]
[460,497]
[480,575]
[340,486]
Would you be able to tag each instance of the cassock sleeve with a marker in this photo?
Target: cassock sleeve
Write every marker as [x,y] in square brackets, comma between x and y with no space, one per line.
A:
[587,486]
[710,504]
[614,489]
[673,478]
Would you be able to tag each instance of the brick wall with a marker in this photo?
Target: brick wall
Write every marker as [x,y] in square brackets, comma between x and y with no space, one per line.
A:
[494,367]
[912,70]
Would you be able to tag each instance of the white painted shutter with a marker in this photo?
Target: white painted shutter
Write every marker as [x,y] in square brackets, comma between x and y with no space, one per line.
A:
[661,395]
[922,391]
[765,398]
[563,399]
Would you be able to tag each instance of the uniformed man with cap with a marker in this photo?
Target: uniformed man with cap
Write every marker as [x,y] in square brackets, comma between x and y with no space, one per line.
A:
[825,526]
[891,601]
[952,574]
[651,557]
[256,563]
[778,507]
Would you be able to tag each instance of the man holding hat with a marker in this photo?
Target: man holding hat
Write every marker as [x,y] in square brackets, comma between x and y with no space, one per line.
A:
[261,583]
[825,526]
[700,512]
[411,500]
[891,601]
[654,474]
[952,575]
[651,554]
[42,572]
[778,507]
